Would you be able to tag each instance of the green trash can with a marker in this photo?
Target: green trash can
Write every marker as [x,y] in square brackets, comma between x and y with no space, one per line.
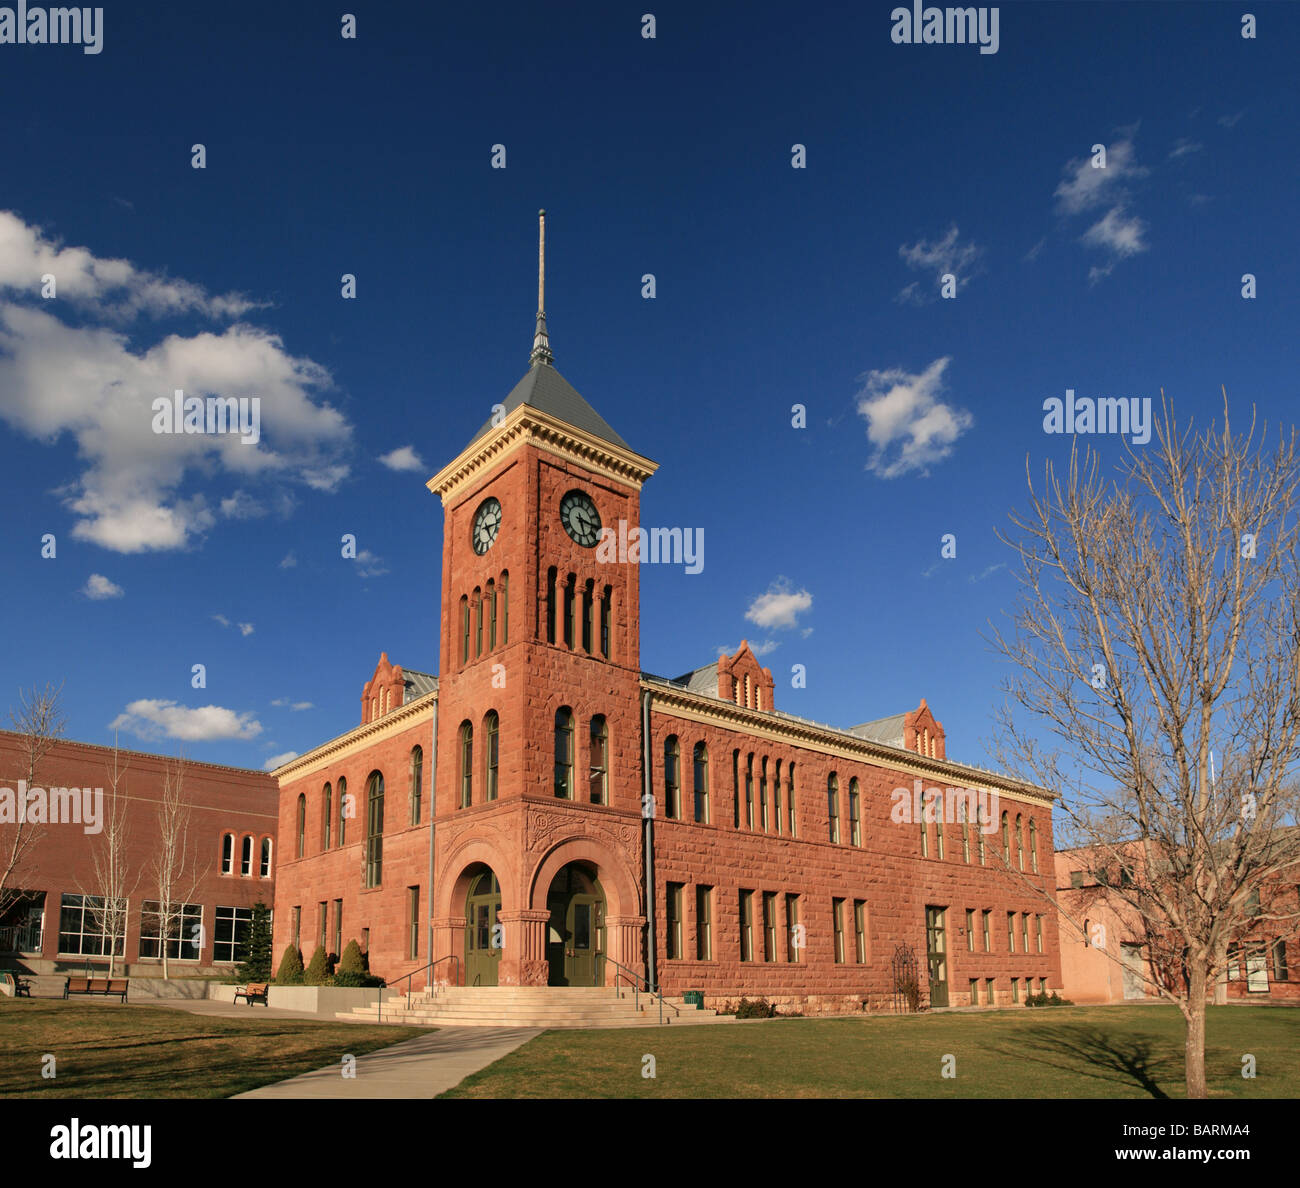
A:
[694,998]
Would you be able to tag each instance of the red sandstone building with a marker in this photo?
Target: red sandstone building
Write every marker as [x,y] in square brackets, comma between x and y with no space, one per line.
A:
[54,917]
[544,812]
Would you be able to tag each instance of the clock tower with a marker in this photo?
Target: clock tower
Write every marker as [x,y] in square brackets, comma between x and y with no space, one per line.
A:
[538,861]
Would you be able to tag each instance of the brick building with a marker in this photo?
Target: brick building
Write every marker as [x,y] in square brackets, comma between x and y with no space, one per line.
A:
[542,811]
[56,917]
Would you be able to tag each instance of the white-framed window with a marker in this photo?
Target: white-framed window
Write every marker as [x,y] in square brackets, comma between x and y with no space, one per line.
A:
[230,932]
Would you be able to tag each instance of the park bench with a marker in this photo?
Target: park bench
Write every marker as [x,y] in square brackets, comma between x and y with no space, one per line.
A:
[110,987]
[254,992]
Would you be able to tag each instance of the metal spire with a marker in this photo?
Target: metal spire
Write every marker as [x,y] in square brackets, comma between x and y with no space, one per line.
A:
[541,342]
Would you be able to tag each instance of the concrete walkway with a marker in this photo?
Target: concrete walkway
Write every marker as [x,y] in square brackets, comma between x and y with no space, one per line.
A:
[416,1068]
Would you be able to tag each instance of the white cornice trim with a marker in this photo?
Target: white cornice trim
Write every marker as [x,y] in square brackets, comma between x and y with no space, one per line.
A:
[393,722]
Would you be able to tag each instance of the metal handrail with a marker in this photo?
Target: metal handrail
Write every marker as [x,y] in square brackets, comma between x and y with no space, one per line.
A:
[407,979]
[631,976]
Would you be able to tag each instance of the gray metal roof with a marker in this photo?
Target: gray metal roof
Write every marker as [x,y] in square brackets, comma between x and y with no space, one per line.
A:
[417,684]
[701,680]
[883,730]
[546,390]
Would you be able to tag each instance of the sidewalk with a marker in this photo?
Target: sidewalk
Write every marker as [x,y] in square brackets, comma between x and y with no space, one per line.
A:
[421,1067]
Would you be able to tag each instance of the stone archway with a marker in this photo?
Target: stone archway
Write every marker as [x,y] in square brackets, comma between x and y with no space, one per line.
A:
[476,892]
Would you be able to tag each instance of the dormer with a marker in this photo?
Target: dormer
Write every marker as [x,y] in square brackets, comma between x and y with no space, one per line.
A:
[743,680]
[923,734]
[392,687]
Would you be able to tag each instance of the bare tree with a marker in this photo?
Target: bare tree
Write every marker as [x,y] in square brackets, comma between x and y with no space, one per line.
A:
[40,723]
[1159,628]
[113,881]
[175,867]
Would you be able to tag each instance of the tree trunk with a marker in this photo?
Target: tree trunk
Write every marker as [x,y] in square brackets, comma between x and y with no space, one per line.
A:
[1194,1052]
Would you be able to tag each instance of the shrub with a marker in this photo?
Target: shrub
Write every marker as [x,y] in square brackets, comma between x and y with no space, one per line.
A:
[318,969]
[351,962]
[255,965]
[759,1008]
[290,971]
[1052,999]
[348,977]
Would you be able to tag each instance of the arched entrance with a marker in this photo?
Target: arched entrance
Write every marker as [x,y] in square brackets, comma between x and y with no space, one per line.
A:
[482,931]
[575,933]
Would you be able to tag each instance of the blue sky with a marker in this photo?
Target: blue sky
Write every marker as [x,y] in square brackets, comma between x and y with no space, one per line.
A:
[774,286]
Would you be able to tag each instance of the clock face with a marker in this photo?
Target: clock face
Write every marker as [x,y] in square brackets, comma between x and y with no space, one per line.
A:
[487,523]
[580,518]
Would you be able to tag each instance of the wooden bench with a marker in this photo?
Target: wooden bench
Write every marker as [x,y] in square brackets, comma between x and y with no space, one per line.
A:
[109,987]
[254,992]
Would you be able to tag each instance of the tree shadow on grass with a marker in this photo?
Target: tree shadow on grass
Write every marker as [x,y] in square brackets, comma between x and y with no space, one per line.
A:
[1102,1055]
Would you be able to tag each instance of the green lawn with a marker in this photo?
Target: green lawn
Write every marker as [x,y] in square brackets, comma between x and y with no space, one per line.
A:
[115,1050]
[1058,1052]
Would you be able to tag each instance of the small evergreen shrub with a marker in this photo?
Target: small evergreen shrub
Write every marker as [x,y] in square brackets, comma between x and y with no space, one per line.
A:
[758,1008]
[351,962]
[290,971]
[318,969]
[1053,999]
[348,977]
[255,964]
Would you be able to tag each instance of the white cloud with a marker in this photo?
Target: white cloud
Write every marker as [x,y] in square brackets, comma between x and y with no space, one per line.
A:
[938,256]
[1117,232]
[98,586]
[1183,146]
[1084,187]
[245,628]
[907,423]
[1230,121]
[92,382]
[279,760]
[780,607]
[368,565]
[242,506]
[290,560]
[222,620]
[301,705]
[154,719]
[402,458]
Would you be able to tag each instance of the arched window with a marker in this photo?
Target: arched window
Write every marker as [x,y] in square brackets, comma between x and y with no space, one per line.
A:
[599,760]
[246,857]
[345,810]
[701,773]
[478,622]
[550,605]
[375,830]
[963,816]
[302,822]
[564,753]
[1020,842]
[504,590]
[981,819]
[492,614]
[789,796]
[672,779]
[466,764]
[265,871]
[746,690]
[570,589]
[227,853]
[606,616]
[749,791]
[464,629]
[925,830]
[735,789]
[833,804]
[762,793]
[588,601]
[776,795]
[326,817]
[491,754]
[1006,840]
[1033,844]
[855,813]
[417,782]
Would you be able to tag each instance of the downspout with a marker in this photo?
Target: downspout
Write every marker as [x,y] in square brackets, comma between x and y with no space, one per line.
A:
[433,808]
[648,843]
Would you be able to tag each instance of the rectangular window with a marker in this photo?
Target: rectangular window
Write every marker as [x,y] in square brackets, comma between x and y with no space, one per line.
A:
[1011,932]
[769,925]
[230,934]
[789,799]
[1015,989]
[988,947]
[703,923]
[337,950]
[938,833]
[855,823]
[184,931]
[86,924]
[747,926]
[1038,932]
[833,809]
[860,929]
[970,930]
[323,913]
[673,933]
[974,991]
[794,933]
[925,836]
[762,796]
[297,927]
[776,797]
[749,793]
[1279,961]
[1024,932]
[1042,985]
[990,992]
[413,914]
[837,915]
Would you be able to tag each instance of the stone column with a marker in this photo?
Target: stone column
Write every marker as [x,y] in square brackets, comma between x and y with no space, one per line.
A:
[448,939]
[523,959]
[624,940]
